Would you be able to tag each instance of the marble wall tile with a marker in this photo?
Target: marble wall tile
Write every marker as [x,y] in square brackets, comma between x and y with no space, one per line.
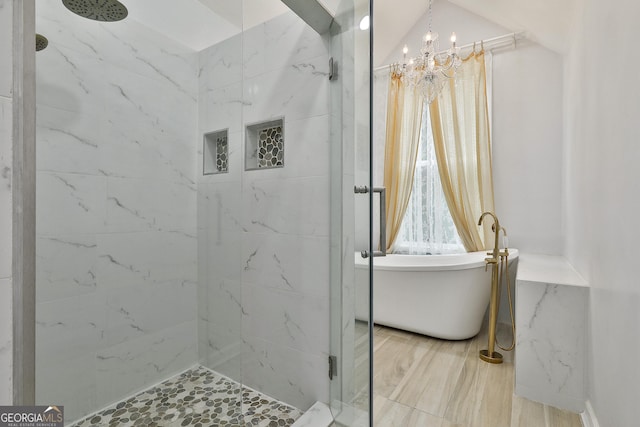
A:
[67,328]
[6,342]
[123,369]
[280,42]
[224,326]
[144,51]
[221,108]
[223,256]
[300,90]
[128,259]
[68,141]
[219,205]
[68,80]
[71,382]
[6,160]
[70,203]
[135,311]
[286,318]
[65,266]
[267,230]
[551,343]
[149,54]
[221,64]
[137,102]
[6,48]
[127,151]
[65,29]
[293,206]
[117,120]
[285,373]
[148,204]
[286,262]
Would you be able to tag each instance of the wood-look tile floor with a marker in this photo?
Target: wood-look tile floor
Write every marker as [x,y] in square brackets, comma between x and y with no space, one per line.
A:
[427,382]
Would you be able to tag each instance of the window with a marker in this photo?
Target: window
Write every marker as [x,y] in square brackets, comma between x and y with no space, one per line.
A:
[427,227]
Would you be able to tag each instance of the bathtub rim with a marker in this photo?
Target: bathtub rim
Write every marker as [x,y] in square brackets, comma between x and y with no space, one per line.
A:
[446,262]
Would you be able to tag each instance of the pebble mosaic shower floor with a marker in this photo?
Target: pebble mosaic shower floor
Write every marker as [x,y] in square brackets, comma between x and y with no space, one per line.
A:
[197,397]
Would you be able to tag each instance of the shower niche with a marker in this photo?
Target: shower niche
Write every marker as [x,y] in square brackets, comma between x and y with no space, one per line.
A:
[216,152]
[264,145]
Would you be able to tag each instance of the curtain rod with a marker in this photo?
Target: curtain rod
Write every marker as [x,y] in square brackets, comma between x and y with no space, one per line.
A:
[504,40]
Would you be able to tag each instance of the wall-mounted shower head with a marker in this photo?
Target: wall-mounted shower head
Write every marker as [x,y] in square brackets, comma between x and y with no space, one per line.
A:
[41,42]
[98,10]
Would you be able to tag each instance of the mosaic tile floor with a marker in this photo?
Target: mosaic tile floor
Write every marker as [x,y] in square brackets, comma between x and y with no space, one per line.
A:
[197,397]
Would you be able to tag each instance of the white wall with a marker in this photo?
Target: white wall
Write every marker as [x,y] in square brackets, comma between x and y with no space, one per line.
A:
[264,246]
[602,176]
[6,207]
[116,225]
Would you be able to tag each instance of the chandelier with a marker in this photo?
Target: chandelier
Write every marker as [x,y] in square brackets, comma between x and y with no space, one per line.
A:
[431,69]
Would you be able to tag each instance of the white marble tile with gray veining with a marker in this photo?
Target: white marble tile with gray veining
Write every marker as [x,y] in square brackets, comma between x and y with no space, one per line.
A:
[551,342]
[128,259]
[70,204]
[298,91]
[286,262]
[65,266]
[71,382]
[136,364]
[139,102]
[222,109]
[284,373]
[220,207]
[71,81]
[297,206]
[69,327]
[286,318]
[280,42]
[135,311]
[68,141]
[148,204]
[221,64]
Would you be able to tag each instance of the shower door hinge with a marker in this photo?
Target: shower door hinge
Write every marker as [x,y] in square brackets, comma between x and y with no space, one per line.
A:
[333,367]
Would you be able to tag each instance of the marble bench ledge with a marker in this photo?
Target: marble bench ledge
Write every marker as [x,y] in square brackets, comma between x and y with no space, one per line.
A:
[548,269]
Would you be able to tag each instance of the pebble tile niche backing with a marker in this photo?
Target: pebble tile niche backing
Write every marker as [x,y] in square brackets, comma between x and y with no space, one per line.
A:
[197,397]
[221,154]
[270,147]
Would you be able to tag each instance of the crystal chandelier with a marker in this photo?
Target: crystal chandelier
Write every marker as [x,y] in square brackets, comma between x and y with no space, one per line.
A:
[429,71]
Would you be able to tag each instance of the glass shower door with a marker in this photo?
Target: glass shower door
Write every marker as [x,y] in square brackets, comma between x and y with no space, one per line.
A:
[350,216]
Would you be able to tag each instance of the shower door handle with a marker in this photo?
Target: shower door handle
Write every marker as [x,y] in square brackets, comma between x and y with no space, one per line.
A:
[383,219]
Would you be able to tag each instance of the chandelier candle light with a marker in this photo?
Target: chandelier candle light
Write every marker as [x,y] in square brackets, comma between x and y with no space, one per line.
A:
[429,71]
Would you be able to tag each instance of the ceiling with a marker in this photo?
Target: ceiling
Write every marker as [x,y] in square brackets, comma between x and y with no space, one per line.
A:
[200,23]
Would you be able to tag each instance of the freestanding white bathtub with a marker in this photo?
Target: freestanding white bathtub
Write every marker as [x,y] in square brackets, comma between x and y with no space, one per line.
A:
[443,296]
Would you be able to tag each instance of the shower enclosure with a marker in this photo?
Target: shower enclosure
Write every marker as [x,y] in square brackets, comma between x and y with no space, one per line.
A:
[195,206]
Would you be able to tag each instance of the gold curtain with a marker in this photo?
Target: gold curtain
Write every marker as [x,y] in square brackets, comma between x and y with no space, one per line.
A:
[460,123]
[404,115]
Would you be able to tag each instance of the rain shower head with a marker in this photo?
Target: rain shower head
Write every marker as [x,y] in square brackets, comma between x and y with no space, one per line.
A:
[41,42]
[98,10]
